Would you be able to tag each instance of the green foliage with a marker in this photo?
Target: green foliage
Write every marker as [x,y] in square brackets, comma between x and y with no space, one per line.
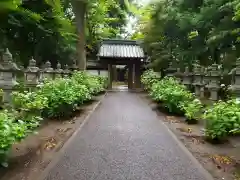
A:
[37,28]
[192,110]
[94,84]
[29,101]
[46,29]
[149,77]
[11,131]
[105,19]
[60,97]
[53,99]
[103,81]
[63,97]
[183,32]
[223,119]
[174,96]
[28,107]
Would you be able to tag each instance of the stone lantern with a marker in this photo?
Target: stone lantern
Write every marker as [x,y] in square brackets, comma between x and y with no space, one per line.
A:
[197,82]
[213,85]
[66,71]
[236,84]
[8,76]
[74,67]
[58,71]
[178,75]
[170,70]
[48,71]
[187,77]
[32,74]
[202,89]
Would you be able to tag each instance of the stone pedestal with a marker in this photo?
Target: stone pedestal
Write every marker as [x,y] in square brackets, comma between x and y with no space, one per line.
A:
[236,82]
[197,82]
[170,71]
[202,92]
[214,82]
[187,78]
[178,75]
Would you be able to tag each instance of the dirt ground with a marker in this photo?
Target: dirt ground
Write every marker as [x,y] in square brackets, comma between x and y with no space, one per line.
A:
[30,157]
[221,160]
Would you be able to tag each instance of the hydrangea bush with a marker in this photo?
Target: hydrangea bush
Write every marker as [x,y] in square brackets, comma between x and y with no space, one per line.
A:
[222,118]
[175,97]
[53,99]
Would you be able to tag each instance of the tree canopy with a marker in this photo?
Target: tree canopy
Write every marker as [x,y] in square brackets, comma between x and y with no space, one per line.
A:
[47,30]
[185,32]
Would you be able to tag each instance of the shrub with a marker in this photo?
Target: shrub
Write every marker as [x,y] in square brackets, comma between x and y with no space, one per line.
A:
[52,99]
[93,83]
[174,96]
[149,78]
[103,82]
[64,95]
[28,107]
[59,97]
[11,131]
[192,110]
[222,119]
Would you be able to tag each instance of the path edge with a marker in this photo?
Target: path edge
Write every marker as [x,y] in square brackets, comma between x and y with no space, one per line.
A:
[202,170]
[61,152]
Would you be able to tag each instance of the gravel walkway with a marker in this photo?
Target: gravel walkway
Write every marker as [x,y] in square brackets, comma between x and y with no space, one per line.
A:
[125,140]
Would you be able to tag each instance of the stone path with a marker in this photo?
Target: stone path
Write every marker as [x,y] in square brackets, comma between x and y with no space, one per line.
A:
[125,140]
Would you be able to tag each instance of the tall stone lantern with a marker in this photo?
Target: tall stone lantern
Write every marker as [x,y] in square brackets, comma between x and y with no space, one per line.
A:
[58,71]
[170,71]
[32,74]
[48,72]
[204,83]
[66,72]
[197,82]
[213,85]
[8,76]
[74,67]
[236,84]
[179,75]
[187,77]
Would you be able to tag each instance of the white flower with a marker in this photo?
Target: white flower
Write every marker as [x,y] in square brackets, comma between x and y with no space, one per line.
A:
[237,100]
[196,100]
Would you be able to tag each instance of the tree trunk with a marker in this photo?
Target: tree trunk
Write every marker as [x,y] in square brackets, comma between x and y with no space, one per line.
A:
[79,8]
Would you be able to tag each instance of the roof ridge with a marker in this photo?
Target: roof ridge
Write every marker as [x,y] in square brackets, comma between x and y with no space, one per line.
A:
[125,49]
[120,41]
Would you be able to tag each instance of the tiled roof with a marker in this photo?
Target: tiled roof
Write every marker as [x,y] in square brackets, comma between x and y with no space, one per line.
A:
[120,49]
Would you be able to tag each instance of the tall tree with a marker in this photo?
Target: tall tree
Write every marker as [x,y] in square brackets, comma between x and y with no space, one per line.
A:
[80,8]
[97,19]
[203,31]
